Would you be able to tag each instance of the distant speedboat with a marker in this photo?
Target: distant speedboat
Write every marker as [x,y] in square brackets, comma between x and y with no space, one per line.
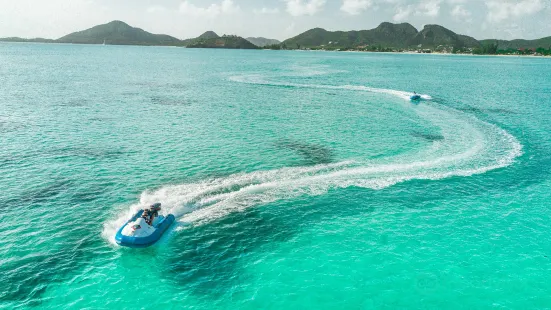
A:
[144,228]
[415,97]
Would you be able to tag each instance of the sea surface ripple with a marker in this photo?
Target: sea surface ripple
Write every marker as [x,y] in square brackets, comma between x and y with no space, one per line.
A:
[299,180]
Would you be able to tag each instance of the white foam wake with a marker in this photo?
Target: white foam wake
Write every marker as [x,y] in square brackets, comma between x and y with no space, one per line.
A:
[259,80]
[470,146]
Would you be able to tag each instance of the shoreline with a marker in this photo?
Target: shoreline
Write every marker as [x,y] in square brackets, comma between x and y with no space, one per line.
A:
[477,55]
[413,53]
[295,50]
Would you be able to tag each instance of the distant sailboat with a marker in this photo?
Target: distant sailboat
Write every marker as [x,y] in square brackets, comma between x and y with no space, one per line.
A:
[103,42]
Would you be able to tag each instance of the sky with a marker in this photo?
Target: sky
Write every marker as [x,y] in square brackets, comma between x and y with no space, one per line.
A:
[277,19]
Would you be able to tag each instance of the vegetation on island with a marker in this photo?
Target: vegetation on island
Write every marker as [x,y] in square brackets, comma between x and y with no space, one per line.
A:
[387,37]
[519,44]
[225,41]
[540,47]
[34,40]
[262,42]
[120,33]
[492,49]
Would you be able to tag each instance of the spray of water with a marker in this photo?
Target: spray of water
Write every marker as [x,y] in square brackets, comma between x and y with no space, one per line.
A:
[469,146]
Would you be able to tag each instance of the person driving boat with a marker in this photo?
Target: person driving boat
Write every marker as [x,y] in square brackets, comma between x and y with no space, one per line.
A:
[153,212]
[146,215]
[150,214]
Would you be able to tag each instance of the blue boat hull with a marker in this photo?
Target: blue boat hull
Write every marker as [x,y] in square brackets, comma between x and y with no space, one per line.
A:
[415,97]
[143,242]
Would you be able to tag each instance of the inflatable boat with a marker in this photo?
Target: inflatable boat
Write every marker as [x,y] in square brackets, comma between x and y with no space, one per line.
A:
[140,231]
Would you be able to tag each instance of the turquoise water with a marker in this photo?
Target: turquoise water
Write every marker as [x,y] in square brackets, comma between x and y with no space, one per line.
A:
[298,179]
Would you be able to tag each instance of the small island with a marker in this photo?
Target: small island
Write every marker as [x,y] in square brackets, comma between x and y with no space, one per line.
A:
[387,37]
[212,40]
[400,38]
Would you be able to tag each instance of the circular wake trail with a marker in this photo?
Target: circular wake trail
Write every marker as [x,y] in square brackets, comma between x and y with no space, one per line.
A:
[470,146]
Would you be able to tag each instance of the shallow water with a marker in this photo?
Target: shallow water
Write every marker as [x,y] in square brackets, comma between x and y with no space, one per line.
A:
[298,179]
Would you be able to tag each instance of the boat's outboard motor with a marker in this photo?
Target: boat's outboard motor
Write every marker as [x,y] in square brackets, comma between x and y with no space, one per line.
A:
[156,206]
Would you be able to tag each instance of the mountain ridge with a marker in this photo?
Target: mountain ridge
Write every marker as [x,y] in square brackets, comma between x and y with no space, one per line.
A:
[208,35]
[262,42]
[519,43]
[385,35]
[120,33]
[228,42]
[435,35]
[388,36]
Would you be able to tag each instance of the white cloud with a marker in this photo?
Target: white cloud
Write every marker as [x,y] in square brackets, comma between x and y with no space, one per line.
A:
[459,12]
[355,7]
[213,10]
[266,11]
[290,28]
[156,9]
[50,19]
[402,13]
[500,10]
[429,8]
[307,7]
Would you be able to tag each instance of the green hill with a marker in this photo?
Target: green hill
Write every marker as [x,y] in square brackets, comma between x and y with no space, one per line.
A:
[205,36]
[385,35]
[436,35]
[519,43]
[118,33]
[232,42]
[210,39]
[469,41]
[261,42]
[208,35]
[390,35]
[313,38]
